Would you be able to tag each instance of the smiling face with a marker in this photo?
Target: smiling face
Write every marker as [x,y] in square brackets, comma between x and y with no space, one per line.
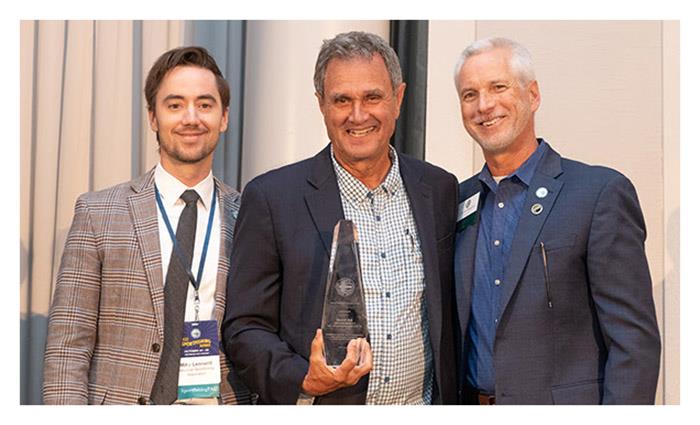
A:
[359,109]
[497,110]
[188,117]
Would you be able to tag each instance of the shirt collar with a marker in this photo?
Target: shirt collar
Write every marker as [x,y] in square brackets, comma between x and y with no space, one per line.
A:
[171,188]
[524,173]
[353,188]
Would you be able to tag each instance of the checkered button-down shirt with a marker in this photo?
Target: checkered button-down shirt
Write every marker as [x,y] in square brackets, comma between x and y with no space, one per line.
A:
[392,274]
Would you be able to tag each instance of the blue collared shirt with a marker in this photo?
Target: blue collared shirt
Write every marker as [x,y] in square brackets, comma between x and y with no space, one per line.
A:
[502,206]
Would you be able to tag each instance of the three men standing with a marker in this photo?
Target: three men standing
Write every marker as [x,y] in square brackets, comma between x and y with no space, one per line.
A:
[553,293]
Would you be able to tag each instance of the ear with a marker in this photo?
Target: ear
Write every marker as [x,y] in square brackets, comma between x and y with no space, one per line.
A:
[533,91]
[319,98]
[224,121]
[399,99]
[153,121]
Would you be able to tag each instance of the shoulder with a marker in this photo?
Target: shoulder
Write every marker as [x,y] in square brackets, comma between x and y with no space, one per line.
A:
[433,173]
[112,195]
[594,177]
[282,177]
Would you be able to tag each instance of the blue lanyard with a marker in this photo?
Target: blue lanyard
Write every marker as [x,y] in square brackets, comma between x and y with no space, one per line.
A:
[176,247]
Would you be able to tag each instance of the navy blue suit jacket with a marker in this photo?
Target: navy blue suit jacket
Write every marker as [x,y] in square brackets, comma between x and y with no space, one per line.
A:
[599,342]
[279,264]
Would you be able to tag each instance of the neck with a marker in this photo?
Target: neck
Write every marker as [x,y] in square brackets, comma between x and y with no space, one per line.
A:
[370,173]
[189,174]
[506,162]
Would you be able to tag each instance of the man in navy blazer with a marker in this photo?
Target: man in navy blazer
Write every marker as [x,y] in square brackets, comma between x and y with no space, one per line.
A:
[552,284]
[405,212]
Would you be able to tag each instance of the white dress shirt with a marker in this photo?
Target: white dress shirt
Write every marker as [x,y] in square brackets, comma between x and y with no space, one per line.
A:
[170,189]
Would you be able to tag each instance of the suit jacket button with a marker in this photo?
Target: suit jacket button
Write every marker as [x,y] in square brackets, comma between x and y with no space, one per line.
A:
[142,399]
[155,347]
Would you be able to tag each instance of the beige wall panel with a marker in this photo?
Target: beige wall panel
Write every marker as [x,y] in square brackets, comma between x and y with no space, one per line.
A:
[158,37]
[26,90]
[282,121]
[672,207]
[447,143]
[113,103]
[602,97]
[49,69]
[74,151]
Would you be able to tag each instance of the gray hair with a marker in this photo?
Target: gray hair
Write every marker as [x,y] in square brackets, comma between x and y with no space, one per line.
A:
[355,44]
[520,58]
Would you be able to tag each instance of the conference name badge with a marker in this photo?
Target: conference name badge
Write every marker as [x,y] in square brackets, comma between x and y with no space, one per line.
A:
[200,371]
[466,212]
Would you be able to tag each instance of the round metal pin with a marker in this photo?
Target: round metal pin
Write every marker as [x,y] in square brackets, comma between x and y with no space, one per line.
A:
[536,209]
[541,192]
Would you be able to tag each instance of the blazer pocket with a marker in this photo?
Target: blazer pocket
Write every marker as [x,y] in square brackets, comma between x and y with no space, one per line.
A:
[583,392]
[558,242]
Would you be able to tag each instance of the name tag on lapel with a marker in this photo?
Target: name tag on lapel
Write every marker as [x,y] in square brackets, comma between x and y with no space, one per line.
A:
[466,211]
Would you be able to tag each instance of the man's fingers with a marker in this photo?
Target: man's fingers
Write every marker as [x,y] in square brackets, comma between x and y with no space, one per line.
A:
[317,347]
[365,350]
[353,350]
[350,361]
[365,365]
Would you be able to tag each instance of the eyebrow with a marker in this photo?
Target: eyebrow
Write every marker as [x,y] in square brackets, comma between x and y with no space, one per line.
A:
[372,92]
[180,97]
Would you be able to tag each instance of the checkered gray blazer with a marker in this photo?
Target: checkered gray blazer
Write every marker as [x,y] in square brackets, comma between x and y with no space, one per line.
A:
[106,320]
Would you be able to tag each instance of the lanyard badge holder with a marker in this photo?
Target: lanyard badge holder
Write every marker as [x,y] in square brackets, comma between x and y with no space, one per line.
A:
[200,371]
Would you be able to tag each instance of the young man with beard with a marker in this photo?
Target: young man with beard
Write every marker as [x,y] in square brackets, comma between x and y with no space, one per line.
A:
[125,288]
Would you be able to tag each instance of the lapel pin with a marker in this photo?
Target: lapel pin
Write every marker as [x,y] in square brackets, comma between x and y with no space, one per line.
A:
[541,192]
[536,209]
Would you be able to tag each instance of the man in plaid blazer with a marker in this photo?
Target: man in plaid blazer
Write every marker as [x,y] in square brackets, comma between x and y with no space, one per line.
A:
[106,326]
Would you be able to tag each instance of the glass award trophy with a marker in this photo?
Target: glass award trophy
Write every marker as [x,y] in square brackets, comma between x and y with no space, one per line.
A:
[344,314]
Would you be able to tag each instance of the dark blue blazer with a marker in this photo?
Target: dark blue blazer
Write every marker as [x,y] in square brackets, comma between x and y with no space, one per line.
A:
[599,341]
[279,264]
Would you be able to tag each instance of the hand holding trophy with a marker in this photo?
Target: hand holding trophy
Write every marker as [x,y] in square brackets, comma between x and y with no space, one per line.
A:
[340,354]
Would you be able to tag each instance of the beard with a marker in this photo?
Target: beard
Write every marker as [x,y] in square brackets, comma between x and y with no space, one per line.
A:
[175,151]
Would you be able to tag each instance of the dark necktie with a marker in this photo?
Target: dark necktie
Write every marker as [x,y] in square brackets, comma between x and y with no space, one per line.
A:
[176,283]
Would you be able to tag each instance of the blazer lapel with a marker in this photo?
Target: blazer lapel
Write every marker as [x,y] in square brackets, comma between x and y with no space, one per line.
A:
[323,200]
[465,249]
[421,199]
[229,204]
[142,206]
[531,224]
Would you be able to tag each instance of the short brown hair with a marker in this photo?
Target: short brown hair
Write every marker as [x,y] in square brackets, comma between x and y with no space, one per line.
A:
[183,56]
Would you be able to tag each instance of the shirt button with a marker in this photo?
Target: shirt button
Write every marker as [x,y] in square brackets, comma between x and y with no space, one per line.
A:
[388,336]
[497,282]
[383,255]
[386,379]
[388,295]
[155,347]
[143,400]
[501,205]
[378,218]
[497,242]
